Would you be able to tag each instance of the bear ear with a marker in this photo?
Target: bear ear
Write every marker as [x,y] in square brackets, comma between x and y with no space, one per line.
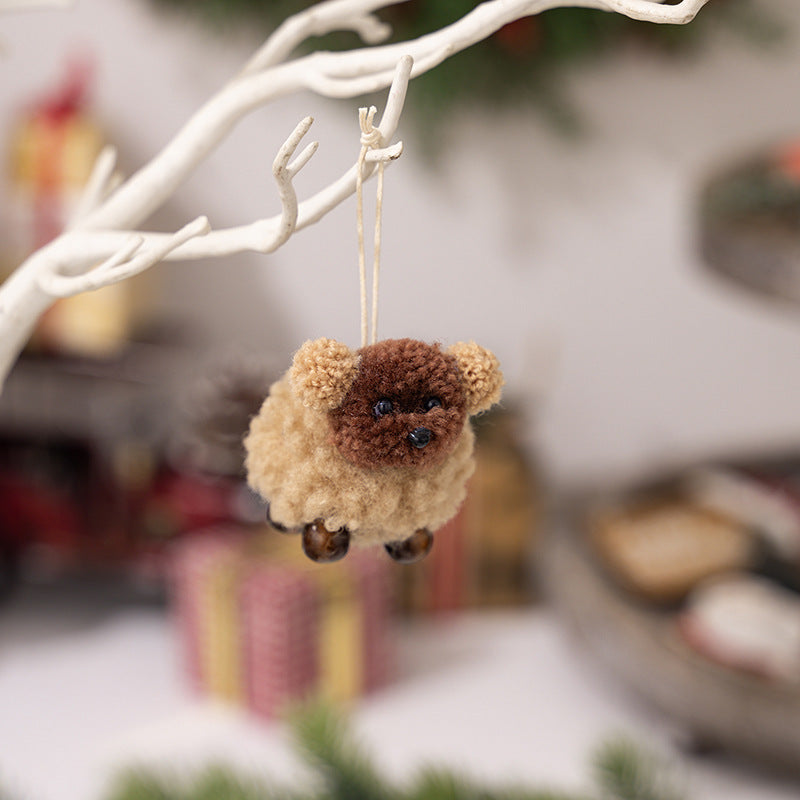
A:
[480,375]
[322,373]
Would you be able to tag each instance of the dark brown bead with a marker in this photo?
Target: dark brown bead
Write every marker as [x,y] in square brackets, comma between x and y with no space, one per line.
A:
[324,546]
[413,549]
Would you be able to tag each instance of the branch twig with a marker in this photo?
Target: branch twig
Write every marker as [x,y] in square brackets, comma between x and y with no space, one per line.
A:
[30,5]
[132,258]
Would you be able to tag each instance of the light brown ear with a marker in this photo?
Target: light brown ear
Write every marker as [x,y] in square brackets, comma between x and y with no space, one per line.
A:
[480,375]
[322,372]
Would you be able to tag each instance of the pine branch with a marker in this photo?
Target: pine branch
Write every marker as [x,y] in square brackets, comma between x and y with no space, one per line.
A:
[443,785]
[624,772]
[537,794]
[214,783]
[325,741]
[220,783]
[140,784]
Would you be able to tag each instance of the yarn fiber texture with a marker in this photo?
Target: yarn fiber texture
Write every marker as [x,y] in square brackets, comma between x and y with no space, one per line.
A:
[409,374]
[322,371]
[480,374]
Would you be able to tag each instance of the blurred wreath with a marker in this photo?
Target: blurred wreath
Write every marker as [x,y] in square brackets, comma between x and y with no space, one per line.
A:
[521,62]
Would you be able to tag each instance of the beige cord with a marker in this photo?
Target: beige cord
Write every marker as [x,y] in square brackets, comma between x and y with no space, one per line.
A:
[370,138]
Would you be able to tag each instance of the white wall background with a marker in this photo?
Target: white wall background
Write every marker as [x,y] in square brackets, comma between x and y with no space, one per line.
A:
[574,261]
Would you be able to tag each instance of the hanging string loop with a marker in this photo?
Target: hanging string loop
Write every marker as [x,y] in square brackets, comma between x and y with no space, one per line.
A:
[371,139]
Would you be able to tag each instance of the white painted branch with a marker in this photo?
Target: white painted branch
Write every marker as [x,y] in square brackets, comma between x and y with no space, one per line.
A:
[263,236]
[30,5]
[99,247]
[345,74]
[283,173]
[366,69]
[98,187]
[22,302]
[134,256]
[317,21]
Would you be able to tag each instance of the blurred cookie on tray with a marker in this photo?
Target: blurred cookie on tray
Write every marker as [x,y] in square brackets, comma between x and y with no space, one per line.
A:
[747,623]
[660,549]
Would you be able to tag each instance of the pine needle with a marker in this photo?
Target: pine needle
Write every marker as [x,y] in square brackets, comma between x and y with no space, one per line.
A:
[139,784]
[444,785]
[625,772]
[325,741]
[220,783]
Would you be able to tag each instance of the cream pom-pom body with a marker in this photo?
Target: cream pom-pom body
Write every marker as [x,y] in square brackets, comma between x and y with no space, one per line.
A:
[293,463]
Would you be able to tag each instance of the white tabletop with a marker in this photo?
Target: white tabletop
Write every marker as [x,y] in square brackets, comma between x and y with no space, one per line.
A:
[90,684]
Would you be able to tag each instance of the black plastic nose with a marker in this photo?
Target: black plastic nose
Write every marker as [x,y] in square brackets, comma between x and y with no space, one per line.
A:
[419,437]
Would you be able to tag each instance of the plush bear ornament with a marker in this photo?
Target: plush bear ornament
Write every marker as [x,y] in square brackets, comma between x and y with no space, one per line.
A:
[373,445]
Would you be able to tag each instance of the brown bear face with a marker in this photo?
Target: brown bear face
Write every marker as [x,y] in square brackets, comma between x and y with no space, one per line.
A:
[406,407]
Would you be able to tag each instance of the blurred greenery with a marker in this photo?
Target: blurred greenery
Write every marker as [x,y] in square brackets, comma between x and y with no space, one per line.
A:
[625,772]
[341,769]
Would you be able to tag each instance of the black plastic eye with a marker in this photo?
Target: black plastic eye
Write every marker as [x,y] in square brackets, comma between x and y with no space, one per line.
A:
[383,407]
[431,402]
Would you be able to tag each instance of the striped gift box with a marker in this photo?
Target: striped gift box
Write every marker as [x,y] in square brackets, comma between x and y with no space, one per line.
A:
[262,626]
[279,623]
[196,596]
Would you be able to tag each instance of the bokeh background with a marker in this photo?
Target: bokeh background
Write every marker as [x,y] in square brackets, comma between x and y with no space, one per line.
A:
[572,253]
